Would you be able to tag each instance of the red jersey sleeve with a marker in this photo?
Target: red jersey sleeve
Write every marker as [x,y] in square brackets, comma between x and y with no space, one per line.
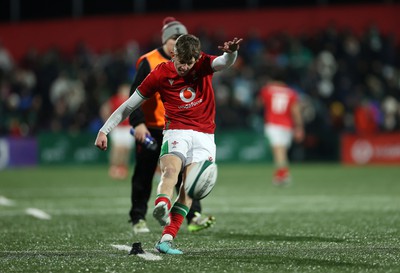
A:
[150,84]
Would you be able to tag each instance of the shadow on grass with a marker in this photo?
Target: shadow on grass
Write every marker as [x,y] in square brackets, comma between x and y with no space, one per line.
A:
[268,257]
[319,262]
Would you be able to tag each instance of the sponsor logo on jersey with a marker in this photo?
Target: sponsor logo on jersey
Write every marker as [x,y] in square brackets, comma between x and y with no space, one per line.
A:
[187,94]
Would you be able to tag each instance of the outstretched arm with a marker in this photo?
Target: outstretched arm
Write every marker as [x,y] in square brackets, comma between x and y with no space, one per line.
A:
[116,117]
[298,130]
[230,49]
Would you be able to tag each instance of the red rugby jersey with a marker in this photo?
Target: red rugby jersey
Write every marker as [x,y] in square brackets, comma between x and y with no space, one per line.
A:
[188,101]
[278,100]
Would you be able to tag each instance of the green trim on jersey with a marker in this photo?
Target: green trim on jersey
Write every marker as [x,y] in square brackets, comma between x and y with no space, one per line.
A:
[167,123]
[140,94]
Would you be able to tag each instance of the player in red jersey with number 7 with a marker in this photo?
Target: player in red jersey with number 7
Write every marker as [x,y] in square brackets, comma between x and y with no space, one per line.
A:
[185,87]
[283,122]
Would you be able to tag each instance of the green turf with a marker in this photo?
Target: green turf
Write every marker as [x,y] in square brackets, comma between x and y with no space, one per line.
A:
[332,219]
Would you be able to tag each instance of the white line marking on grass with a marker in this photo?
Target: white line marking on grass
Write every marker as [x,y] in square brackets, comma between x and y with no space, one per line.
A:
[4,201]
[146,255]
[149,256]
[37,213]
[122,247]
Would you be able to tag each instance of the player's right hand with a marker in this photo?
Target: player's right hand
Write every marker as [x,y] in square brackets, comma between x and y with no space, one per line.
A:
[101,141]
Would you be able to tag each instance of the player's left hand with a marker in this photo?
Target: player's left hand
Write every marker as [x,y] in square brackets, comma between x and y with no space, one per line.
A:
[231,46]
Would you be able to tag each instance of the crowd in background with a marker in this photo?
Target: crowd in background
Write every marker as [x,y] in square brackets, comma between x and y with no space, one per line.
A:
[347,82]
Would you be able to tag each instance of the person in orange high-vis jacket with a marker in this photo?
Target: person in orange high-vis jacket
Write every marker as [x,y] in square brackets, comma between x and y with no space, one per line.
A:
[148,120]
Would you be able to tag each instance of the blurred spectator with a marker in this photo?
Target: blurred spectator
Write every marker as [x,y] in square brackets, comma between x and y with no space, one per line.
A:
[6,62]
[67,97]
[391,110]
[365,118]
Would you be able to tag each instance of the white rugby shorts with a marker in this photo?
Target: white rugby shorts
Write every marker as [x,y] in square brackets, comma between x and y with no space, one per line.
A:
[120,136]
[278,135]
[191,146]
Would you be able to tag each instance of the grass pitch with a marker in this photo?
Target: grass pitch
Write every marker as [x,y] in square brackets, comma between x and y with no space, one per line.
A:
[331,219]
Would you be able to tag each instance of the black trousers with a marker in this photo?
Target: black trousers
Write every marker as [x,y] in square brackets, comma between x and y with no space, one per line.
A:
[142,178]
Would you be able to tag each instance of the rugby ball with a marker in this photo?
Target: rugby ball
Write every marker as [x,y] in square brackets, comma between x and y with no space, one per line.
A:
[201,179]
